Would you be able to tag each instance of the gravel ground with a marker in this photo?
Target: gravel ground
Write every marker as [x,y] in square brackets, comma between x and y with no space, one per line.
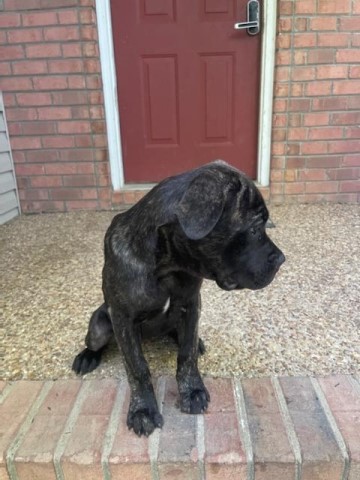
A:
[306,322]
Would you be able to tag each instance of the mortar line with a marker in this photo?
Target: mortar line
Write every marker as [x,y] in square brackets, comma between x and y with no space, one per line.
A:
[154,439]
[334,427]
[69,425]
[112,428]
[200,444]
[5,393]
[244,428]
[289,426]
[25,426]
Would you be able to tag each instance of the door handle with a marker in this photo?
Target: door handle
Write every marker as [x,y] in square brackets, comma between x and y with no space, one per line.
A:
[253,18]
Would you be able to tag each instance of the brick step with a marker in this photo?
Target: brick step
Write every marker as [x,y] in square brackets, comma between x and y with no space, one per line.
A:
[261,429]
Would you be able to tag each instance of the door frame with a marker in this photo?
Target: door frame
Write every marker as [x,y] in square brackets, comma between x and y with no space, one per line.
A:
[108,70]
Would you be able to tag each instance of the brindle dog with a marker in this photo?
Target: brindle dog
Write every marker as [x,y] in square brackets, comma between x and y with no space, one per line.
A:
[205,223]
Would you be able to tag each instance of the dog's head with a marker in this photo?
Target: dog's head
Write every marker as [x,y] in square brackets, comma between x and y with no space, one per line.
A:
[223,216]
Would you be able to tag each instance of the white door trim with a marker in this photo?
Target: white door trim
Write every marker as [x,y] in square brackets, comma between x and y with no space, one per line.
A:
[107,58]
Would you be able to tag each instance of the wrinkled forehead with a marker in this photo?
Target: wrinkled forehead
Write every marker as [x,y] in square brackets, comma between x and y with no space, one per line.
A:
[250,204]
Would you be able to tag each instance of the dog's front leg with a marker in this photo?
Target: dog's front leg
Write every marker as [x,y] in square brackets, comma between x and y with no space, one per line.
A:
[143,415]
[194,397]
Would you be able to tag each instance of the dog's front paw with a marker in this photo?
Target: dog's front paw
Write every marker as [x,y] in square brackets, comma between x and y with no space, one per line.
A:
[194,400]
[86,361]
[144,421]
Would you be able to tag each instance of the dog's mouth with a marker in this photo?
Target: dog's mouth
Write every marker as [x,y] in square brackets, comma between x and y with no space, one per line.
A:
[228,285]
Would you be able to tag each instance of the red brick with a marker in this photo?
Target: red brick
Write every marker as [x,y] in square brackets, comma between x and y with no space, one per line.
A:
[349,23]
[77,155]
[344,146]
[87,16]
[29,67]
[15,84]
[355,40]
[350,186]
[283,40]
[88,33]
[303,40]
[344,174]
[76,81]
[351,160]
[344,401]
[17,114]
[58,141]
[66,66]
[294,188]
[45,431]
[67,168]
[300,57]
[321,55]
[301,24]
[285,25]
[30,170]
[71,50]
[25,143]
[314,148]
[178,453]
[81,112]
[283,57]
[13,412]
[346,87]
[43,50]
[320,454]
[68,17]
[312,175]
[39,19]
[66,194]
[38,128]
[305,7]
[322,187]
[333,39]
[318,88]
[286,7]
[331,71]
[330,161]
[46,181]
[325,133]
[334,6]
[79,181]
[10,20]
[5,68]
[63,33]
[303,73]
[27,35]
[74,127]
[54,113]
[354,71]
[92,65]
[11,52]
[348,55]
[330,103]
[316,119]
[346,118]
[33,99]
[295,162]
[273,455]
[70,98]
[82,456]
[42,156]
[297,133]
[323,23]
[299,104]
[50,83]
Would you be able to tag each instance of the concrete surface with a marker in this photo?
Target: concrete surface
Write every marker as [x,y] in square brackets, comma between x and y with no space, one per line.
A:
[307,322]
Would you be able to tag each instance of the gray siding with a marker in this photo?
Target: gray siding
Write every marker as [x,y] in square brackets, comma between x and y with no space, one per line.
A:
[9,200]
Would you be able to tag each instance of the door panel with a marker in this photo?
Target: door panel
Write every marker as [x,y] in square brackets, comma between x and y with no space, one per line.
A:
[188,85]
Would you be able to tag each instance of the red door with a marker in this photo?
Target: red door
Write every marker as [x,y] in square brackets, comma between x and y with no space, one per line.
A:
[188,85]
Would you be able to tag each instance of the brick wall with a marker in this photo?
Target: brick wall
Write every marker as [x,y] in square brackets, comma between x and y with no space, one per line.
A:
[50,76]
[316,133]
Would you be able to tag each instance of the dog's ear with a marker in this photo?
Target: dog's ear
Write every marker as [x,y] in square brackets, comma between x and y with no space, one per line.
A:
[201,206]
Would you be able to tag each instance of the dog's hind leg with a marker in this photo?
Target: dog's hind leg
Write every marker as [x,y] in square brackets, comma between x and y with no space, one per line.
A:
[98,336]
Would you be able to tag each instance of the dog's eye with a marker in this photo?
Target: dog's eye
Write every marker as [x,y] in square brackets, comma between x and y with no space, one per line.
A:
[253,231]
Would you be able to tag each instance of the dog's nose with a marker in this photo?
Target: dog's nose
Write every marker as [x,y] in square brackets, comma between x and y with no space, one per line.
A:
[277,258]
